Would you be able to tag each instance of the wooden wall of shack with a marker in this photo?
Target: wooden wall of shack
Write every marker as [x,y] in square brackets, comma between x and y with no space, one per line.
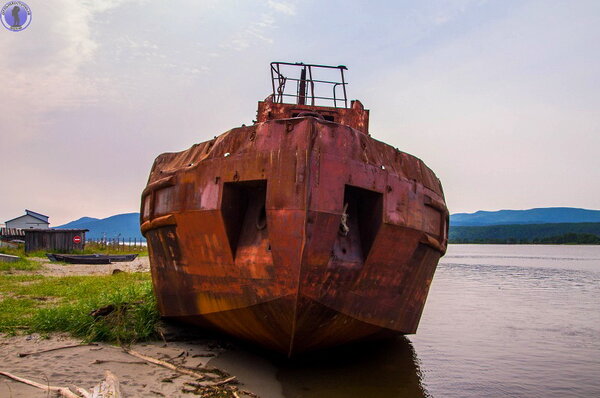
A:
[56,240]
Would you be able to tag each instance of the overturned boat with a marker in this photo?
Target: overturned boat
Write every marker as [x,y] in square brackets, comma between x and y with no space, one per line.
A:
[91,258]
[300,231]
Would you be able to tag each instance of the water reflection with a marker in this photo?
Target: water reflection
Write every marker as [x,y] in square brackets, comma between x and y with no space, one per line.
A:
[513,324]
[376,369]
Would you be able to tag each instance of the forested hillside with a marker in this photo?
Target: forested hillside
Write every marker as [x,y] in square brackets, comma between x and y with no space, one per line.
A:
[560,233]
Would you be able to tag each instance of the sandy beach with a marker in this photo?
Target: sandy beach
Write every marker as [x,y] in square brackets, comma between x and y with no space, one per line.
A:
[140,264]
[85,365]
[74,363]
[353,371]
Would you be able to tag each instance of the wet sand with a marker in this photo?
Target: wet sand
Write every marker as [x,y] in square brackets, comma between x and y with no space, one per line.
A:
[387,368]
[383,369]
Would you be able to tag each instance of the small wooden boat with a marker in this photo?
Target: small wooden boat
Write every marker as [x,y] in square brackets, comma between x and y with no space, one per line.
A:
[298,232]
[90,258]
[119,258]
[79,259]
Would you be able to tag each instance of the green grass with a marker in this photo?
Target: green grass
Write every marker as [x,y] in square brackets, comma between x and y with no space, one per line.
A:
[22,264]
[16,251]
[96,248]
[90,248]
[33,303]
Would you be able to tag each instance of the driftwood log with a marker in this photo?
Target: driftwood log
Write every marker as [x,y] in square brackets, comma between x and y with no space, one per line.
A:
[108,388]
[165,364]
[63,391]
[26,354]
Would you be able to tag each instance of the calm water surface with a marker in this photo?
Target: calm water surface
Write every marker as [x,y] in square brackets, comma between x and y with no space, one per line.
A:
[500,321]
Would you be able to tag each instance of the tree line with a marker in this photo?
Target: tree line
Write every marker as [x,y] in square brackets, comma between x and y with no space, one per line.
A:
[560,233]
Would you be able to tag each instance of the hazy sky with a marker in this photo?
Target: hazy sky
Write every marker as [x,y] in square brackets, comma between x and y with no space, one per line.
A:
[500,98]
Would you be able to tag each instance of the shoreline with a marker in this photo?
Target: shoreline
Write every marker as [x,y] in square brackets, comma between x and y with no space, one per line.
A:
[84,365]
[58,359]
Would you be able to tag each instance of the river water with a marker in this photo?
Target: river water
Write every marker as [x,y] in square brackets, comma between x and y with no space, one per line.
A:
[500,321]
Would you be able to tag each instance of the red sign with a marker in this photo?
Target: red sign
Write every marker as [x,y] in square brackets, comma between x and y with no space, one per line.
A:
[77,239]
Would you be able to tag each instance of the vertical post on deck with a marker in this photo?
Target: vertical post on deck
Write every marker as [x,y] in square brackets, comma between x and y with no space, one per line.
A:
[302,88]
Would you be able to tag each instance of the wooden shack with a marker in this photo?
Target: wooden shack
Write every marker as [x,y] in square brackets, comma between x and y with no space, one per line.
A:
[55,240]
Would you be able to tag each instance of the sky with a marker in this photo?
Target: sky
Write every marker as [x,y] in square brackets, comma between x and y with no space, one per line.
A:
[500,98]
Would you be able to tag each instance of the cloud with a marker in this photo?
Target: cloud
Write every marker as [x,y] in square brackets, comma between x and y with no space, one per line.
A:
[44,62]
[261,30]
[283,7]
[510,108]
[494,96]
[252,33]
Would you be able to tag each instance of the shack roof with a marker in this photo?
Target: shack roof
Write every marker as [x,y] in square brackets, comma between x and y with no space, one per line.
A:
[37,215]
[33,214]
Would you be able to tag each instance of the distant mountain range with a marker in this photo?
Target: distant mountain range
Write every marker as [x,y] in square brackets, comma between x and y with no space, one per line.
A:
[546,215]
[121,225]
[128,225]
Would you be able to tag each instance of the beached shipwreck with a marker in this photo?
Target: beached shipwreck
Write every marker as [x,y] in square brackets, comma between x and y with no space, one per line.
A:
[300,231]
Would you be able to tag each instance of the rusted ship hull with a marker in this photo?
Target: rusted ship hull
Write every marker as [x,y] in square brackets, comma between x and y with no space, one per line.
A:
[246,232]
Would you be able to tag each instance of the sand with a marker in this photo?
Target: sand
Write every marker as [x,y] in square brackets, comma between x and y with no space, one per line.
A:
[140,264]
[84,366]
[367,370]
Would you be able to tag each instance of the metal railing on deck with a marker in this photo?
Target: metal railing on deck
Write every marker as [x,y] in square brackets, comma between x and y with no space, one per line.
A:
[305,84]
